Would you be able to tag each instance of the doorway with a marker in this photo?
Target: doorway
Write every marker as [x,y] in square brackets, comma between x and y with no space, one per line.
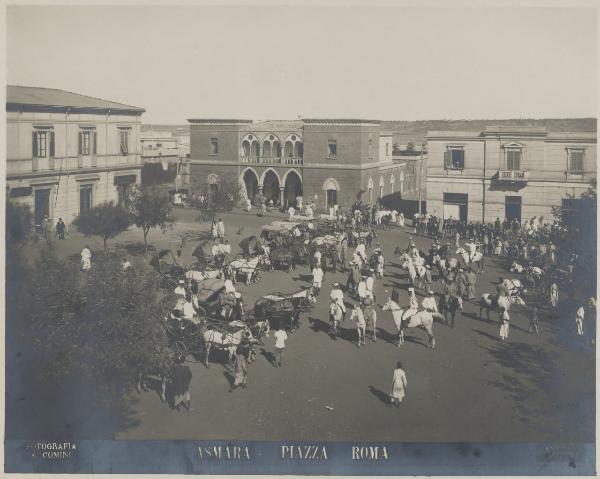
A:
[42,206]
[512,208]
[331,198]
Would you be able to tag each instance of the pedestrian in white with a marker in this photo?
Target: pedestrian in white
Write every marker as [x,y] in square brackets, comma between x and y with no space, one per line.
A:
[504,324]
[361,326]
[337,296]
[379,265]
[215,250]
[221,228]
[579,320]
[371,284]
[229,287]
[401,220]
[361,251]
[86,258]
[317,258]
[126,265]
[398,385]
[214,230]
[291,212]
[280,339]
[180,289]
[317,273]
[554,295]
[362,289]
[248,205]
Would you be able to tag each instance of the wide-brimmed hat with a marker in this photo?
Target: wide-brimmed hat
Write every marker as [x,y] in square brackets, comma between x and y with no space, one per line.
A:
[411,290]
[427,266]
[430,292]
[238,295]
[336,285]
[181,281]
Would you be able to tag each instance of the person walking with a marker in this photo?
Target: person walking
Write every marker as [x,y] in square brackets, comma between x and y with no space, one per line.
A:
[398,385]
[317,273]
[579,320]
[554,295]
[533,321]
[471,279]
[60,229]
[241,368]
[86,258]
[181,376]
[361,326]
[504,324]
[280,339]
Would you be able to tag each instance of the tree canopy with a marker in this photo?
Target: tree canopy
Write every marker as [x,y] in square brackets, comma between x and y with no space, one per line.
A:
[106,220]
[150,208]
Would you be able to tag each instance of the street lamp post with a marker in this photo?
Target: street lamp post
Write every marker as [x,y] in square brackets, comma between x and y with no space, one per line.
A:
[421,176]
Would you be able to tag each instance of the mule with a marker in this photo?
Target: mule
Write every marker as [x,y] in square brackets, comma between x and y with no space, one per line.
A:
[421,319]
[223,340]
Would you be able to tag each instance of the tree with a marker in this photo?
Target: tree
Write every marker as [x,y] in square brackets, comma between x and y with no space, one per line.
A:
[19,222]
[410,146]
[106,220]
[83,338]
[150,208]
[223,199]
[243,192]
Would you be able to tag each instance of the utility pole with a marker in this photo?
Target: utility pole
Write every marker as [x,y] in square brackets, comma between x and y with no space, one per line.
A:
[421,176]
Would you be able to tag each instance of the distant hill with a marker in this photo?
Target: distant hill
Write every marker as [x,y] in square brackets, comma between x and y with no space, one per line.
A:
[416,131]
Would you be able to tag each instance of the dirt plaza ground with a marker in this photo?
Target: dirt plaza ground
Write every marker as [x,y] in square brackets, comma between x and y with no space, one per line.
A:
[471,387]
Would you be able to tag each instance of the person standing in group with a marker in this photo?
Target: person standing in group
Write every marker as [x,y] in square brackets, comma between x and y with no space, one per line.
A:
[60,229]
[221,229]
[579,320]
[457,240]
[181,376]
[471,280]
[362,288]
[427,278]
[533,321]
[554,295]
[504,324]
[280,339]
[317,273]
[86,258]
[361,326]
[214,231]
[370,282]
[241,368]
[398,384]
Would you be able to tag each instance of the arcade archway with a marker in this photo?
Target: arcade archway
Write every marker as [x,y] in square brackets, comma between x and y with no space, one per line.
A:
[251,182]
[293,189]
[271,187]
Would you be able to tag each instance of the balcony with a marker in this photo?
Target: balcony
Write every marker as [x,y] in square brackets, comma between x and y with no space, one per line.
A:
[275,160]
[512,176]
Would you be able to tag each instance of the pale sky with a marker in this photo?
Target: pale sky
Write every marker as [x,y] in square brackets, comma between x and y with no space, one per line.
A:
[278,62]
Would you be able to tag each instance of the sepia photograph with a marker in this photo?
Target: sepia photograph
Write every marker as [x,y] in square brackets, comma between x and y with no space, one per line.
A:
[301,238]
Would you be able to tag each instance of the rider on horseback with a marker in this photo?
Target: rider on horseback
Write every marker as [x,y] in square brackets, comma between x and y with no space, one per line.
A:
[413,306]
[337,296]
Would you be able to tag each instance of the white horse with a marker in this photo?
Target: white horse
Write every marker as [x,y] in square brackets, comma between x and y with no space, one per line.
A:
[421,319]
[227,341]
[245,266]
[487,302]
[516,267]
[409,266]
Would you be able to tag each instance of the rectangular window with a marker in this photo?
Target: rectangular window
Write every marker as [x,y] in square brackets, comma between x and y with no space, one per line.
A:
[513,160]
[214,146]
[124,140]
[332,149]
[576,161]
[85,197]
[454,159]
[84,143]
[39,144]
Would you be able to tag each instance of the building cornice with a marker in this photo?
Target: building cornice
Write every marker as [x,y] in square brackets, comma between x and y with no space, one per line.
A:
[71,172]
[30,108]
[218,121]
[316,166]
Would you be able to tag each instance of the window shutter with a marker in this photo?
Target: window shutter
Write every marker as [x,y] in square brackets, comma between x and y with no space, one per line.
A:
[95,141]
[447,159]
[80,147]
[52,152]
[34,150]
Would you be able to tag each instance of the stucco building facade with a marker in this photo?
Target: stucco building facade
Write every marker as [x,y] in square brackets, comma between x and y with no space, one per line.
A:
[68,152]
[325,160]
[506,172]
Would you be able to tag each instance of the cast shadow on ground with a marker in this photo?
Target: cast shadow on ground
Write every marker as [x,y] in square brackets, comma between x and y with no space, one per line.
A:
[379,394]
[269,356]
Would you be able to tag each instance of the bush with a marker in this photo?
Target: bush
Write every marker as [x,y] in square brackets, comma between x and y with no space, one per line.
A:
[19,222]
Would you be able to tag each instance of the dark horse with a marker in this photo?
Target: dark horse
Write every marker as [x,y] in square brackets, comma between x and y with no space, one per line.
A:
[453,305]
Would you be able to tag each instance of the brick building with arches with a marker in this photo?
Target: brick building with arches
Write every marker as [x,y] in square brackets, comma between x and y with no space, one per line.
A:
[328,161]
